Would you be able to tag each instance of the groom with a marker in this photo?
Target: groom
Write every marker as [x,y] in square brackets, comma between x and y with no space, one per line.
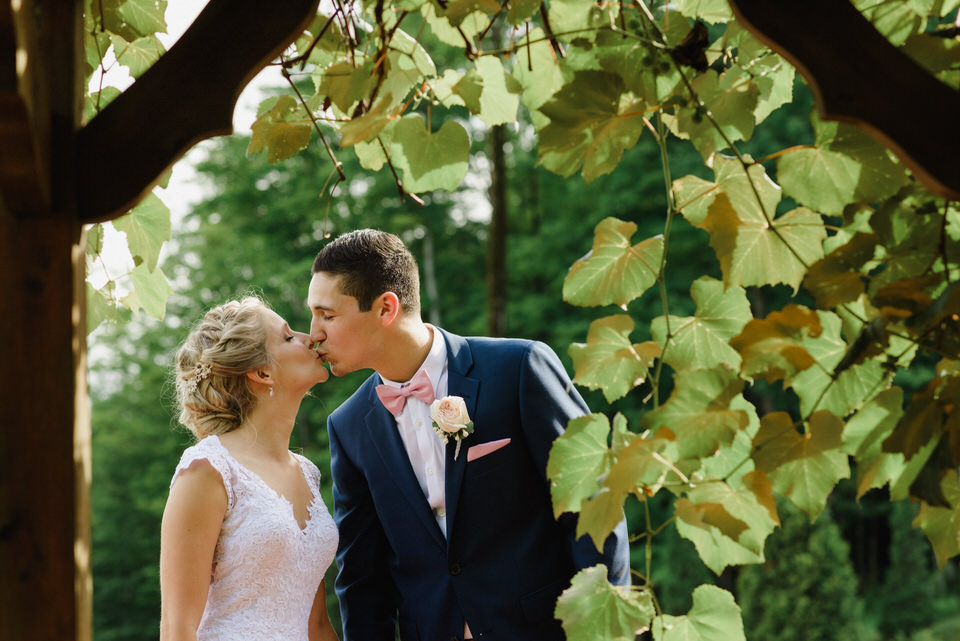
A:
[454,541]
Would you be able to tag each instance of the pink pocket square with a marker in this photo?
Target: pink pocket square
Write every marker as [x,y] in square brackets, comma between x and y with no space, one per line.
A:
[483,449]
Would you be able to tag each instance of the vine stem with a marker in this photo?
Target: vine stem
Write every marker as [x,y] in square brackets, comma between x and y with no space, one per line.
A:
[316,125]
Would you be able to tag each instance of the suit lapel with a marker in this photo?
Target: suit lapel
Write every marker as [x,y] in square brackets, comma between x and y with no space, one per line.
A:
[396,464]
[459,364]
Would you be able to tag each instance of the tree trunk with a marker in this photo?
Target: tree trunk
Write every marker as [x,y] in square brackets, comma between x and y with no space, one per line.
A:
[497,241]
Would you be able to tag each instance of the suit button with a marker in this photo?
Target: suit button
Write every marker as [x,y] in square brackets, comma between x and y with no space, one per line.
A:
[455,569]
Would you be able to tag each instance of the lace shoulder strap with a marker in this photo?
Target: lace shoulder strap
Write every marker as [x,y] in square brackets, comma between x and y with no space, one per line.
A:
[211,450]
[310,471]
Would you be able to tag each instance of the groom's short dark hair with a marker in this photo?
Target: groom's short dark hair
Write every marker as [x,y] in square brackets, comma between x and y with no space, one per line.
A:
[370,262]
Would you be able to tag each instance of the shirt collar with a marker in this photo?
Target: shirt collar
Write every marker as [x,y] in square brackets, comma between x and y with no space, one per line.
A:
[434,363]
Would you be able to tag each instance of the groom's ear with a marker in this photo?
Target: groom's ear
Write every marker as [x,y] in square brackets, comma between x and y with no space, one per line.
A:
[388,307]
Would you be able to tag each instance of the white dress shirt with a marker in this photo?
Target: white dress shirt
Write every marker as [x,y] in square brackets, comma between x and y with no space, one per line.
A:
[424,448]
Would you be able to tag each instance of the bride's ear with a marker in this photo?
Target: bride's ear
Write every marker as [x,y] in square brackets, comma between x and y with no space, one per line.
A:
[260,375]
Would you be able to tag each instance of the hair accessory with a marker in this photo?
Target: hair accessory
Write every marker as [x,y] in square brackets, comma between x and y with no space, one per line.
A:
[200,371]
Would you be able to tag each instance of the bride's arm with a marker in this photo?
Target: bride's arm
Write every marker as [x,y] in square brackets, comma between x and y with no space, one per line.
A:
[188,536]
[320,627]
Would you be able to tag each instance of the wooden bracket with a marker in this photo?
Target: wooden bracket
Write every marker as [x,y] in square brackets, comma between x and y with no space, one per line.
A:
[188,95]
[857,76]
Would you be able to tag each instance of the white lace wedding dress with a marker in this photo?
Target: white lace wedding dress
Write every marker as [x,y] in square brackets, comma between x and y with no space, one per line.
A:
[266,570]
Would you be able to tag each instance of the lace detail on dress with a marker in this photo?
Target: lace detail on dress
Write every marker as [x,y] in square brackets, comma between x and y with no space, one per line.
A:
[266,570]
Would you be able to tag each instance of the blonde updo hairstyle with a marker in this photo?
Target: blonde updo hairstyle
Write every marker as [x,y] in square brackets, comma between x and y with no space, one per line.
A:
[213,391]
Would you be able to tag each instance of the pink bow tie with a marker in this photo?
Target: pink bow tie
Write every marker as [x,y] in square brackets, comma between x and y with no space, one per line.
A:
[394,398]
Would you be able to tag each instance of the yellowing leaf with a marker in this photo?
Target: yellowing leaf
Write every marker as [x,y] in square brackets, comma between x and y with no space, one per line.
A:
[368,126]
[803,467]
[942,524]
[772,347]
[147,227]
[283,131]
[702,341]
[755,251]
[640,469]
[593,608]
[699,411]
[578,459]
[614,271]
[608,361]
[836,278]
[430,160]
[715,616]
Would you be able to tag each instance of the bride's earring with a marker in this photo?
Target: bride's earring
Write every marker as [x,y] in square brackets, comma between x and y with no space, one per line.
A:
[271,391]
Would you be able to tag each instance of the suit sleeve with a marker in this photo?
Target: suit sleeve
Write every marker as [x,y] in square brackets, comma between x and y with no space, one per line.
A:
[548,401]
[363,585]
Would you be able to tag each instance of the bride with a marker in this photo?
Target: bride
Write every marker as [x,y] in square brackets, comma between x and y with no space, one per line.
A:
[246,538]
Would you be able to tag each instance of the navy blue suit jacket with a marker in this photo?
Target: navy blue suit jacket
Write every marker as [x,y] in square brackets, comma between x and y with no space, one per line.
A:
[506,559]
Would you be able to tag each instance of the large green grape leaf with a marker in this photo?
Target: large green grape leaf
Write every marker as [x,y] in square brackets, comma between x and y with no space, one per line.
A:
[942,524]
[715,616]
[100,307]
[707,10]
[699,524]
[804,467]
[732,462]
[772,347]
[614,271]
[702,341]
[740,518]
[428,160]
[773,75]
[345,82]
[282,130]
[455,35]
[490,92]
[755,251]
[138,55]
[150,291]
[640,469]
[730,98]
[578,460]
[592,608]
[572,19]
[592,122]
[699,411]
[147,227]
[846,165]
[145,16]
[520,11]
[608,361]
[818,389]
[895,20]
[536,69]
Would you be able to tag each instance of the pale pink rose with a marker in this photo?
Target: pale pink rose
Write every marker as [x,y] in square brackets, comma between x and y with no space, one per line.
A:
[450,414]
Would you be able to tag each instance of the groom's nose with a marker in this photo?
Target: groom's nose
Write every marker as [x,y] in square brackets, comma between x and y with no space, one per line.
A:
[316,331]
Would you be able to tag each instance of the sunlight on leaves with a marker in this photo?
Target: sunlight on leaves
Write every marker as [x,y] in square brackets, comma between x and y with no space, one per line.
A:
[608,361]
[592,608]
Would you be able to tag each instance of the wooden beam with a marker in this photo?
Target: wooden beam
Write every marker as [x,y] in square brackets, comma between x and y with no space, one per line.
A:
[857,76]
[188,95]
[24,133]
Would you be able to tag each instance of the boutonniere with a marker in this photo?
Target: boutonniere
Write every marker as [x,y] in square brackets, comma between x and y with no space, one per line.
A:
[451,420]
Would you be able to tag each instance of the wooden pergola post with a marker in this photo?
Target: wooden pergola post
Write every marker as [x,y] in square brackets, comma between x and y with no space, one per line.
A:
[54,177]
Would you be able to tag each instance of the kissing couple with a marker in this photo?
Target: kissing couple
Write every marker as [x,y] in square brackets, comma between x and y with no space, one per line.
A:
[442,525]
